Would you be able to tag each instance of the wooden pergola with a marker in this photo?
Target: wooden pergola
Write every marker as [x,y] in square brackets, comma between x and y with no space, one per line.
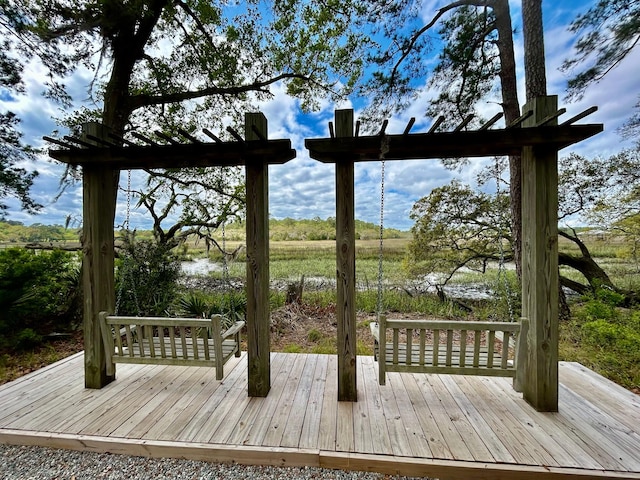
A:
[536,136]
[102,156]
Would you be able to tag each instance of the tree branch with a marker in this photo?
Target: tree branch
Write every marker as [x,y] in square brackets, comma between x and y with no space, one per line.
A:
[406,49]
[139,101]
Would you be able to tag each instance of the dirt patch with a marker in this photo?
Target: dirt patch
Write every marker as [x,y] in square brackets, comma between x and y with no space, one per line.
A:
[14,365]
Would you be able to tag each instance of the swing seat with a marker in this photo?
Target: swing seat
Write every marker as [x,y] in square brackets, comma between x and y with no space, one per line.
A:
[169,341]
[448,347]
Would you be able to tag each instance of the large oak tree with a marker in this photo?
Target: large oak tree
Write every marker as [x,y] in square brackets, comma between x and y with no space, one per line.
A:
[164,64]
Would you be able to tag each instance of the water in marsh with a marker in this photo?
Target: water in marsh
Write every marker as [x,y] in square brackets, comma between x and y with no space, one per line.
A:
[196,273]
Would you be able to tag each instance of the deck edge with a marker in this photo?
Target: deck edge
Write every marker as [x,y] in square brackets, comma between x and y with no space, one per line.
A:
[294,457]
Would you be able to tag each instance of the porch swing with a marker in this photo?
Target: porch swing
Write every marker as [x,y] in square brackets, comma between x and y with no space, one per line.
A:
[440,346]
[164,340]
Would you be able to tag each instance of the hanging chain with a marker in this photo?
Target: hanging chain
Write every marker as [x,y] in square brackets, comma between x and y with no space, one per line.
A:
[384,148]
[225,263]
[124,267]
[128,217]
[127,274]
[502,275]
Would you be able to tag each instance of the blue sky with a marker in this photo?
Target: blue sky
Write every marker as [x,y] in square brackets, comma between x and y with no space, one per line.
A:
[304,188]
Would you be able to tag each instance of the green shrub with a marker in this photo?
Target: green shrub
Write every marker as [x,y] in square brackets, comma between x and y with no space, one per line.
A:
[292,348]
[231,305]
[27,339]
[39,291]
[314,335]
[146,277]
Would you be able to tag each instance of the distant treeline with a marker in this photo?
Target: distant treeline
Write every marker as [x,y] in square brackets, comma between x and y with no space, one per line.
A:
[287,229]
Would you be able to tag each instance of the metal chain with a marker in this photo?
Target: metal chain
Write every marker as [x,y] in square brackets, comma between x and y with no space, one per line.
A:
[384,148]
[128,217]
[127,274]
[225,264]
[501,270]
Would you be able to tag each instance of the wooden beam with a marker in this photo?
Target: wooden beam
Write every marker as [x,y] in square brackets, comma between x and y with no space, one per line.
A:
[476,143]
[258,336]
[346,264]
[100,187]
[179,156]
[539,373]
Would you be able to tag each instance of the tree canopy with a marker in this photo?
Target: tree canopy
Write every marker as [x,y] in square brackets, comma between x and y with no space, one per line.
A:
[458,226]
[15,180]
[608,32]
[150,58]
[189,64]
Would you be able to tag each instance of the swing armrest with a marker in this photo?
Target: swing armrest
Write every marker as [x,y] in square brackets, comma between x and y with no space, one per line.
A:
[235,328]
[375,330]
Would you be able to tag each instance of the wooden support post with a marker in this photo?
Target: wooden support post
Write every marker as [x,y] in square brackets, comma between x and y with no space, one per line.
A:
[346,265]
[100,188]
[257,187]
[539,373]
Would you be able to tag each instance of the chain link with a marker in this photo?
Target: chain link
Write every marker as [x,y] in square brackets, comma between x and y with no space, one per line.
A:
[384,148]
[126,268]
[502,275]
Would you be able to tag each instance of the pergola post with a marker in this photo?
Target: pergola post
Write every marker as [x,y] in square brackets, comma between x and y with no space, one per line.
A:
[99,191]
[346,264]
[257,288]
[539,374]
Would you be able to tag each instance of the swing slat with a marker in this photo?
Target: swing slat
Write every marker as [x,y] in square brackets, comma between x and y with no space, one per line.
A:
[483,356]
[147,342]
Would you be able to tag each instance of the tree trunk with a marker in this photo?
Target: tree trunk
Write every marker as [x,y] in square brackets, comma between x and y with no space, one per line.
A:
[585,264]
[511,108]
[534,64]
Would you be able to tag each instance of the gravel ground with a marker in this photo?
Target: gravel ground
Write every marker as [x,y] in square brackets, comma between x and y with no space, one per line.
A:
[38,463]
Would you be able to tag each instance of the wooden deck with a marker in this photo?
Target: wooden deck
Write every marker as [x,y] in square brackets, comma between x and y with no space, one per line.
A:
[417,425]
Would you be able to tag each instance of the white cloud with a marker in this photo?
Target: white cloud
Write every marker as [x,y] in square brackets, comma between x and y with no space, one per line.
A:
[304,188]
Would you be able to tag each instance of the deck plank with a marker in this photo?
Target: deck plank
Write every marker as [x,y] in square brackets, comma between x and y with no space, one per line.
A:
[430,427]
[170,403]
[554,429]
[313,412]
[345,427]
[171,427]
[95,404]
[329,418]
[270,404]
[518,446]
[400,444]
[362,438]
[208,409]
[297,413]
[434,425]
[121,409]
[622,405]
[36,389]
[411,423]
[380,438]
[454,441]
[65,413]
[463,425]
[278,423]
[154,407]
[613,437]
[499,452]
[254,411]
[539,438]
